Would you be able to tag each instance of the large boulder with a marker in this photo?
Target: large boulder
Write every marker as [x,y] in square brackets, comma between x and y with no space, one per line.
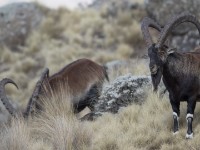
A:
[185,37]
[16,22]
[123,91]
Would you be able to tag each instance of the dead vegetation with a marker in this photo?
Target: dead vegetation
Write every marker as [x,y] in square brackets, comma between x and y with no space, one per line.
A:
[147,126]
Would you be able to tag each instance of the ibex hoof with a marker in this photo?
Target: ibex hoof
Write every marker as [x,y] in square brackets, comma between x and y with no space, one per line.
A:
[189,136]
[175,133]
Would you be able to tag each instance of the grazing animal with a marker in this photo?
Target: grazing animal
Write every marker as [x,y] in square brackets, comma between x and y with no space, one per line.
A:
[83,78]
[33,98]
[179,71]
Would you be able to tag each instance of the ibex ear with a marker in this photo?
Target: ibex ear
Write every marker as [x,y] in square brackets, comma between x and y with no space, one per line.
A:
[171,50]
[167,43]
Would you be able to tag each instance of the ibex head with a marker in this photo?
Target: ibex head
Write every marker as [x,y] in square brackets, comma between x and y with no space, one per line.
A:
[159,52]
[155,63]
[32,100]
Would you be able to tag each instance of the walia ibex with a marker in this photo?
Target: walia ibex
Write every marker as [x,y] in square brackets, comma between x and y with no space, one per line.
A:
[83,79]
[179,71]
[32,100]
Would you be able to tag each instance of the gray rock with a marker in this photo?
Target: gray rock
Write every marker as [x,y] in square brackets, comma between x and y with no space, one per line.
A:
[16,22]
[123,91]
[185,37]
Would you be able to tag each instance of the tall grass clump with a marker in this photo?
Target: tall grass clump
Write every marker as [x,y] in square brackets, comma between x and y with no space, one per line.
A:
[58,125]
[16,136]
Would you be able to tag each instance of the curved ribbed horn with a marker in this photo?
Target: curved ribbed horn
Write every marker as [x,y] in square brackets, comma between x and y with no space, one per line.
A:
[145,24]
[183,17]
[4,98]
[36,91]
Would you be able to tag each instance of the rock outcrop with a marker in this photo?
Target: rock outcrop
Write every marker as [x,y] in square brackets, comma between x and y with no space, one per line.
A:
[123,91]
[17,20]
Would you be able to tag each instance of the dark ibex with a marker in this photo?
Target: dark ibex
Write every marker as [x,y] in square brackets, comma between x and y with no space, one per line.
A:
[180,71]
[32,100]
[83,78]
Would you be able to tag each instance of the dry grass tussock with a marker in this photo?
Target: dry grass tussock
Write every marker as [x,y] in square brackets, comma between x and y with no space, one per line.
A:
[56,127]
[16,136]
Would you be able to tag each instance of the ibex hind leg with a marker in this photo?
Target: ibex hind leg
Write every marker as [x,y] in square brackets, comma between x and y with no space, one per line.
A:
[89,99]
[93,95]
[79,107]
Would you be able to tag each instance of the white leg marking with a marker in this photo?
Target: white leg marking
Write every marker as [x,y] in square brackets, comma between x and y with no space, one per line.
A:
[189,116]
[175,133]
[175,115]
[189,136]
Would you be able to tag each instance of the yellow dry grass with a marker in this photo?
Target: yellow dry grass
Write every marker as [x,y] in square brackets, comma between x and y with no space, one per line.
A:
[17,136]
[58,125]
[138,127]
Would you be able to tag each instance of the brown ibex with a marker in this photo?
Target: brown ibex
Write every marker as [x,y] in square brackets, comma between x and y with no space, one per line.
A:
[179,71]
[83,78]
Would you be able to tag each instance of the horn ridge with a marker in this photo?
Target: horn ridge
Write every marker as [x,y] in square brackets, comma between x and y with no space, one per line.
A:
[36,92]
[3,96]
[145,24]
[174,22]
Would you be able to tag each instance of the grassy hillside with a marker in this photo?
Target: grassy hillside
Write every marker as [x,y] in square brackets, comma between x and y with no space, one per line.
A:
[63,37]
